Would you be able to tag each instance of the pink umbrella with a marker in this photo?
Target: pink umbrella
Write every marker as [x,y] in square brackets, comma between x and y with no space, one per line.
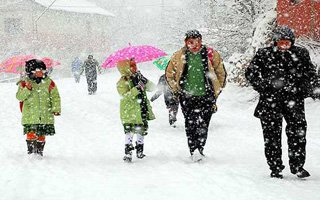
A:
[17,63]
[139,53]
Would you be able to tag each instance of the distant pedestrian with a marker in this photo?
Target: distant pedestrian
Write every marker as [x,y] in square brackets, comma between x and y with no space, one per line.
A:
[76,69]
[91,68]
[171,102]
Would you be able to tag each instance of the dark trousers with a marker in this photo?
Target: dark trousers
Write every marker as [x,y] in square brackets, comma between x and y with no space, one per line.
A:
[197,112]
[173,111]
[92,85]
[296,133]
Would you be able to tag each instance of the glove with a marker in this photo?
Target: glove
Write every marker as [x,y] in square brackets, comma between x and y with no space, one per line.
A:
[175,96]
[153,98]
[29,85]
[141,85]
[56,114]
[214,108]
[316,93]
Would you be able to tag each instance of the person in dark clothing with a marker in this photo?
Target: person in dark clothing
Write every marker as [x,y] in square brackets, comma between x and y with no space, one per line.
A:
[284,76]
[196,75]
[171,102]
[91,68]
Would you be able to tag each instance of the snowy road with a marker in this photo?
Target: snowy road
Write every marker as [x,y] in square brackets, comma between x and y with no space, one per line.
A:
[84,159]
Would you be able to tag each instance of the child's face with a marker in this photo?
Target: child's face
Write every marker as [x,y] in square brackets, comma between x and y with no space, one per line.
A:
[133,66]
[38,73]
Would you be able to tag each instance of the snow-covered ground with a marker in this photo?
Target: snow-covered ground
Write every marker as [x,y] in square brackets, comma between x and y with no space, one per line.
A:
[84,159]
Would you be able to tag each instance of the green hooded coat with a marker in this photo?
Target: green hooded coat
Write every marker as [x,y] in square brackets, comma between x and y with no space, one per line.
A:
[40,102]
[130,108]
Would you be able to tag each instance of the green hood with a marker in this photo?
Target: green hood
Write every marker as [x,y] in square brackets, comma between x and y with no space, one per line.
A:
[124,68]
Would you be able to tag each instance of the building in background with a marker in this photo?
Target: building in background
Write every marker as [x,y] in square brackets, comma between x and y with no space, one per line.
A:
[67,29]
[303,16]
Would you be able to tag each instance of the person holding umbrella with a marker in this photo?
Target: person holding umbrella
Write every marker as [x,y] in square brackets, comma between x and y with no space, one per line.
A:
[196,75]
[39,103]
[135,108]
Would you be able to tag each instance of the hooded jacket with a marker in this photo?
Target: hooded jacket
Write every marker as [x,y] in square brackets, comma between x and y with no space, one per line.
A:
[131,110]
[40,102]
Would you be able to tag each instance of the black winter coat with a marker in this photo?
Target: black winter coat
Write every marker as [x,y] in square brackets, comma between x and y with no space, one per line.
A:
[280,77]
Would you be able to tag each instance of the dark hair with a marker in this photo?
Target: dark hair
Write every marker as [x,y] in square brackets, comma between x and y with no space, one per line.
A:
[193,34]
[33,64]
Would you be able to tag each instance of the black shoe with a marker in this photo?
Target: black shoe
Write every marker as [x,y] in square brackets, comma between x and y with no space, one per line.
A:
[32,146]
[301,173]
[40,147]
[128,152]
[127,158]
[276,174]
[139,148]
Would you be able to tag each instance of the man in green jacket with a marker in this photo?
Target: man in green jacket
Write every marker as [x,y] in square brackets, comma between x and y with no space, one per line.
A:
[39,102]
[135,108]
[196,74]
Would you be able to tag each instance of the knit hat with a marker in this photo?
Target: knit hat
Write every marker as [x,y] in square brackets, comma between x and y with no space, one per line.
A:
[283,33]
[193,34]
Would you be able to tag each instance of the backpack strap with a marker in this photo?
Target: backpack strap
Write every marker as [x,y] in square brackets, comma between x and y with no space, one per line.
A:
[51,86]
[23,84]
[210,54]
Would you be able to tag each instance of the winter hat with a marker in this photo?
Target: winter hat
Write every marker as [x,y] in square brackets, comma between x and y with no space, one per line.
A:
[33,64]
[193,34]
[283,32]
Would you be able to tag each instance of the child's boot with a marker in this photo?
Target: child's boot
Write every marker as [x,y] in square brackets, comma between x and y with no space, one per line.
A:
[139,148]
[40,147]
[128,152]
[32,148]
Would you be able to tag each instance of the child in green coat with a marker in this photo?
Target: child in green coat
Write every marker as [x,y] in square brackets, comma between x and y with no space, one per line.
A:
[39,103]
[135,108]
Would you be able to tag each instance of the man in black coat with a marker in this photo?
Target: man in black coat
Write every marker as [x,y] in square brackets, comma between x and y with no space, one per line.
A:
[284,76]
[91,68]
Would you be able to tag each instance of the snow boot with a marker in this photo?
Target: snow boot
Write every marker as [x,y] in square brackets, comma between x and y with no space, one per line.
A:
[139,148]
[32,148]
[40,147]
[301,173]
[128,152]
